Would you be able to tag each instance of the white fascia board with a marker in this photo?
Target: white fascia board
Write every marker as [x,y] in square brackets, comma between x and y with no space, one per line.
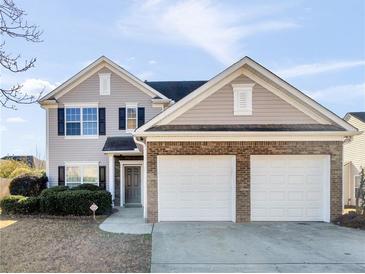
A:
[192,99]
[95,67]
[303,97]
[127,152]
[285,97]
[244,133]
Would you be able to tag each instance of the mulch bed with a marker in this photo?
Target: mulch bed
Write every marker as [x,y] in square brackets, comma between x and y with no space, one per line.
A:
[70,245]
[352,219]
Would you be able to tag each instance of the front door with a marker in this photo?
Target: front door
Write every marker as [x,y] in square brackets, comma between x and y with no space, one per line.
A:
[132,184]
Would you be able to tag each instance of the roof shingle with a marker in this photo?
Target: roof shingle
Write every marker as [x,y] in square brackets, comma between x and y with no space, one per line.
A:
[250,127]
[120,143]
[175,90]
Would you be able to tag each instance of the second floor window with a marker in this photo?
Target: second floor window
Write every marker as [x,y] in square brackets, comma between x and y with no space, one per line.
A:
[81,121]
[131,117]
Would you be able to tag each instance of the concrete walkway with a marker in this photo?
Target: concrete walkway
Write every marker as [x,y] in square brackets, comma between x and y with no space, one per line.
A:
[127,221]
[257,247]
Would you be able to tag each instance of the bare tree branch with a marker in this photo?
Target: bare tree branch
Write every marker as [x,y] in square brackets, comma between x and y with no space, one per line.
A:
[13,25]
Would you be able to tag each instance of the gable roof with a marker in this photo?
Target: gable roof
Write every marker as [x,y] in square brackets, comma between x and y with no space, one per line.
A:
[359,115]
[175,90]
[302,101]
[95,67]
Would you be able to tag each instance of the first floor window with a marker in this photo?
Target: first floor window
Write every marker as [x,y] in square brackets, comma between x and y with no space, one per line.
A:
[81,121]
[84,173]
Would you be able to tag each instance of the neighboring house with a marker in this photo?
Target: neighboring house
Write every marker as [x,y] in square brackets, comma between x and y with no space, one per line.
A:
[243,146]
[353,157]
[30,160]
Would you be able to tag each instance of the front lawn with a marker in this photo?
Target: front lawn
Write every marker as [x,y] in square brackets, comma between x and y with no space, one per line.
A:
[34,244]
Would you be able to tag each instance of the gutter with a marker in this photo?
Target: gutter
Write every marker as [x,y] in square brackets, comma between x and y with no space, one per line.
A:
[144,175]
[246,133]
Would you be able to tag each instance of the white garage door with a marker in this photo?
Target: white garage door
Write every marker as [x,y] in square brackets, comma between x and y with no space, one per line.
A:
[290,188]
[196,188]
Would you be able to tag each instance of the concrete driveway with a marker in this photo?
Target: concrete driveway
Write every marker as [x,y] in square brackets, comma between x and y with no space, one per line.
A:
[257,247]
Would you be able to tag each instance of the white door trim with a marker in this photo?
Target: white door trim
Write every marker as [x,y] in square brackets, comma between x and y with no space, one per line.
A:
[123,164]
[233,161]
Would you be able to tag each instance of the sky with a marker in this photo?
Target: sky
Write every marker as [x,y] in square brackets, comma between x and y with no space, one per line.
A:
[317,46]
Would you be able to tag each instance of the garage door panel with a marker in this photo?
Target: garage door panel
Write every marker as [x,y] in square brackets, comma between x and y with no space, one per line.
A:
[195,188]
[291,190]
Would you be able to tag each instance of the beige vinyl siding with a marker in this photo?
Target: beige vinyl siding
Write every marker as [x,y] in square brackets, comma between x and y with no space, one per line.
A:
[267,108]
[62,149]
[354,158]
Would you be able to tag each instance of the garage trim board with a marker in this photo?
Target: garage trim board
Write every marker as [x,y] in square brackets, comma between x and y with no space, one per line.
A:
[290,188]
[196,187]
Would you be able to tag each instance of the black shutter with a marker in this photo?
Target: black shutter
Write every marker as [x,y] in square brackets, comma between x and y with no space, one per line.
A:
[121,118]
[61,121]
[102,122]
[61,175]
[140,117]
[102,177]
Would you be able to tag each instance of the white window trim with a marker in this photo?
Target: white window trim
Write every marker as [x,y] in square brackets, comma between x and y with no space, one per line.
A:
[103,76]
[81,107]
[81,164]
[355,176]
[127,106]
[237,90]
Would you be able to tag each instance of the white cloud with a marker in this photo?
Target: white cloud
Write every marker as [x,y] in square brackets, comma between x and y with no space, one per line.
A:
[211,26]
[342,98]
[36,86]
[152,62]
[340,93]
[317,68]
[15,120]
[145,75]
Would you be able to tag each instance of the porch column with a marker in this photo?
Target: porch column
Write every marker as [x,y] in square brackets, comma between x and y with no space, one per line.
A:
[111,176]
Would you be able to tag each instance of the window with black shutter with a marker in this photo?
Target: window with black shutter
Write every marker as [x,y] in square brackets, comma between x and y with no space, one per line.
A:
[122,118]
[102,177]
[102,121]
[141,117]
[61,175]
[61,121]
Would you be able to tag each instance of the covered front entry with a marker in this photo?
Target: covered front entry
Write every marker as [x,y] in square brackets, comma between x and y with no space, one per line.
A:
[131,182]
[196,188]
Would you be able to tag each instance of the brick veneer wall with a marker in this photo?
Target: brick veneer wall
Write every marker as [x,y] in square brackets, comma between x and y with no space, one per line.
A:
[243,150]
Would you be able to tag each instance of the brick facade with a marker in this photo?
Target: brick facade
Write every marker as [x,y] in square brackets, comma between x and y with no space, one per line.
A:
[243,150]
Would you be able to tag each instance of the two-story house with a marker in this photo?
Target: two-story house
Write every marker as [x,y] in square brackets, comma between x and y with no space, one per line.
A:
[245,145]
[353,157]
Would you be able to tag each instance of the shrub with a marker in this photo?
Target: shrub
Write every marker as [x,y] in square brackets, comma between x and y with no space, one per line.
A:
[20,171]
[10,204]
[8,166]
[53,190]
[352,219]
[90,187]
[28,185]
[18,204]
[75,202]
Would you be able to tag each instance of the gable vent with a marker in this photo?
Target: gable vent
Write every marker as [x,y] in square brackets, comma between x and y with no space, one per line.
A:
[104,82]
[242,97]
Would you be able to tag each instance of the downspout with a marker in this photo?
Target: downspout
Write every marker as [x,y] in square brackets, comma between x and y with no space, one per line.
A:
[144,175]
